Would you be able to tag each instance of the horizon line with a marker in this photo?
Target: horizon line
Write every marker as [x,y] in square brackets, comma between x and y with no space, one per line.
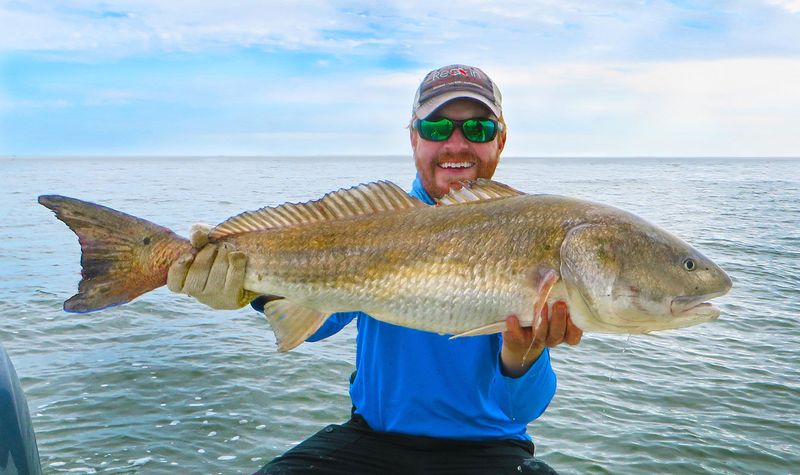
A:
[254,156]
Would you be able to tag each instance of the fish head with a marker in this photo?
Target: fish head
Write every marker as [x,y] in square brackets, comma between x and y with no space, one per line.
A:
[633,277]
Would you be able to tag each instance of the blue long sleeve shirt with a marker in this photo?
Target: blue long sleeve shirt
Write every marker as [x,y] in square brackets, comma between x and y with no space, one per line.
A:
[422,383]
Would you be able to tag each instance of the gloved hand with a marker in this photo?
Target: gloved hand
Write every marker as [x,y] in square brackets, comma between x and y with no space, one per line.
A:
[215,276]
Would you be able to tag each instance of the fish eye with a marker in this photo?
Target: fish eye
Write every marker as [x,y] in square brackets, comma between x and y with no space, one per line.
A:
[689,264]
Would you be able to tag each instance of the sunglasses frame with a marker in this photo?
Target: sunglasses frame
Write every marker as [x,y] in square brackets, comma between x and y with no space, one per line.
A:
[498,127]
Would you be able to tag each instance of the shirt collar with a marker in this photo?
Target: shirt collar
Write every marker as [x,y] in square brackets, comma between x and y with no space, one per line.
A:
[418,192]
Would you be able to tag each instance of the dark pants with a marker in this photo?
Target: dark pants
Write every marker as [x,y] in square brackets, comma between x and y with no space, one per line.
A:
[353,448]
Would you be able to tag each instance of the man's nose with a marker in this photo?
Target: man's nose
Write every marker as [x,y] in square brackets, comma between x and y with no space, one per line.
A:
[456,142]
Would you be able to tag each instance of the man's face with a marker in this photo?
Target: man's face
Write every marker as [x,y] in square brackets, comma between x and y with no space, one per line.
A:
[440,164]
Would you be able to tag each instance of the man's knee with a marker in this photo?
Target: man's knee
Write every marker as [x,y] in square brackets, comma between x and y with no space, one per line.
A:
[536,466]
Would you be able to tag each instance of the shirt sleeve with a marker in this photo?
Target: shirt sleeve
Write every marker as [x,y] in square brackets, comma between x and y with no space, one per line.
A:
[332,325]
[525,398]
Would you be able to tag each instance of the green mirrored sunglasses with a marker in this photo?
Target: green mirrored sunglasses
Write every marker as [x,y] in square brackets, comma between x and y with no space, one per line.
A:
[440,129]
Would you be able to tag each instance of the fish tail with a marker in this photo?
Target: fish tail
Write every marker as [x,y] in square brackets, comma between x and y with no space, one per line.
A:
[122,256]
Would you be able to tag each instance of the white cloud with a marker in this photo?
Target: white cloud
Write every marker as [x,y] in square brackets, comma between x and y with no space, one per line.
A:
[469,30]
[743,107]
[137,26]
[792,6]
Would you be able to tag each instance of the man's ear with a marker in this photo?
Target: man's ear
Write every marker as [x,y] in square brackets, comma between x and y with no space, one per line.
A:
[501,142]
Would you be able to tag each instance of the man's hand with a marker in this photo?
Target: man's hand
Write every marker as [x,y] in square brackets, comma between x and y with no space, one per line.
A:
[522,346]
[214,276]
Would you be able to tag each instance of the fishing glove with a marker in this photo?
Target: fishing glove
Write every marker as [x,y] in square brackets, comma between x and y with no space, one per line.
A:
[215,276]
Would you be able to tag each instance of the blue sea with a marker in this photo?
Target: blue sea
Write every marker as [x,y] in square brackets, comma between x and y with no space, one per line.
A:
[166,385]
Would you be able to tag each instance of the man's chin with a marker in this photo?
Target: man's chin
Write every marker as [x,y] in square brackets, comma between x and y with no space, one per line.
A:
[445,179]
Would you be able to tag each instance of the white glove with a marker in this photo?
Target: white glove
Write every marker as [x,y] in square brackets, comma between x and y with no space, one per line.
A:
[215,276]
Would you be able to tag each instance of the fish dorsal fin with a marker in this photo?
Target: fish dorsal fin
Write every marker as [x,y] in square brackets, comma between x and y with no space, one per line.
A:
[478,190]
[369,198]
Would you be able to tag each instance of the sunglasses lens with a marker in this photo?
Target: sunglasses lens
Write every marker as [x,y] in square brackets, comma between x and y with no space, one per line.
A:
[479,130]
[435,130]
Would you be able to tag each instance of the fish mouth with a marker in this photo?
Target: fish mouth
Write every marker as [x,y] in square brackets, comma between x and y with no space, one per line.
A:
[696,305]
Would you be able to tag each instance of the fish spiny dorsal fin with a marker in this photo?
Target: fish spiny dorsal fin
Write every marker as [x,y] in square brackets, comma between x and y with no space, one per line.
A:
[369,198]
[477,190]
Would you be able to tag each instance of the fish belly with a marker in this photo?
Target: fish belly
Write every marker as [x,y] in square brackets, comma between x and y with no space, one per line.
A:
[432,301]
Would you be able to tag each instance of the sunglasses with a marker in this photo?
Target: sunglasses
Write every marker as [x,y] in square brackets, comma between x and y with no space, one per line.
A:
[475,130]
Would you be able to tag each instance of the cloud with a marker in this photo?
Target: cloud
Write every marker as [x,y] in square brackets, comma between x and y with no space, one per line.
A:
[470,31]
[729,107]
[792,6]
[741,107]
[149,25]
[136,27]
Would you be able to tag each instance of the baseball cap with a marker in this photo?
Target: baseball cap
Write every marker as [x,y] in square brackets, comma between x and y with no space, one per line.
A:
[456,81]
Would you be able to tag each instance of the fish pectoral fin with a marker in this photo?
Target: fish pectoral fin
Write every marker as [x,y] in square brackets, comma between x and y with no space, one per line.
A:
[292,323]
[483,330]
[542,279]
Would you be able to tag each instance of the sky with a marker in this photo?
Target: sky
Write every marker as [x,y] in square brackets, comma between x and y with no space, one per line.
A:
[316,77]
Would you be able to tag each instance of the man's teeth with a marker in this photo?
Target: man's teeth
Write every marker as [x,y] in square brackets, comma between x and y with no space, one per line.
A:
[455,165]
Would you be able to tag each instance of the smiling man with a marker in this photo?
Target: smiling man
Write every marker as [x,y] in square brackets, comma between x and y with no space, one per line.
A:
[456,97]
[423,403]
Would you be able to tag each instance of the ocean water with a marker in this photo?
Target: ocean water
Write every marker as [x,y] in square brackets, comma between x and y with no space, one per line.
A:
[165,385]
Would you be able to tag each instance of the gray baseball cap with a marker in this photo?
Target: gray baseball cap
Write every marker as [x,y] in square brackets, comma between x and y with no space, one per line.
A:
[456,81]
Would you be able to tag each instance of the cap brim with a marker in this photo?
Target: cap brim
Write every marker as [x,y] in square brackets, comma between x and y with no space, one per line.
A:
[434,103]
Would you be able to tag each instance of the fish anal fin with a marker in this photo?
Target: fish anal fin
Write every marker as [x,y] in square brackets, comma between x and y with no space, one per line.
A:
[477,190]
[292,323]
[369,198]
[496,327]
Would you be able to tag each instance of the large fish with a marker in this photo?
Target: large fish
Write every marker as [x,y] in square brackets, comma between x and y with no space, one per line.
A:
[485,252]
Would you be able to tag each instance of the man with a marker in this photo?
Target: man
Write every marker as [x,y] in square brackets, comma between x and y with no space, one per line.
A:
[423,403]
